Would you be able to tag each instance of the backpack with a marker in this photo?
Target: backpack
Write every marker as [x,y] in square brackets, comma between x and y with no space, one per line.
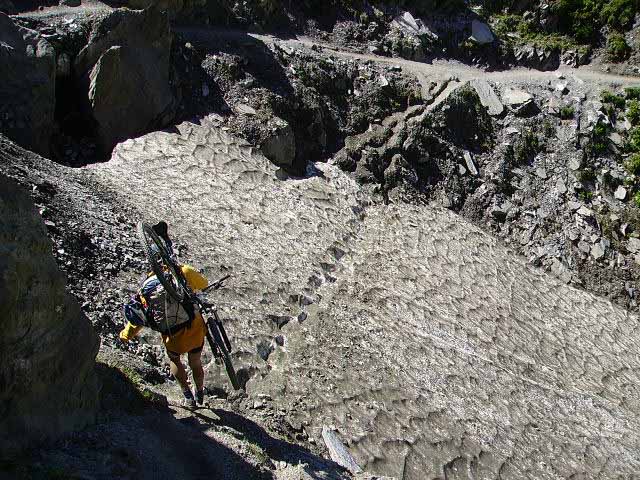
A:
[163,313]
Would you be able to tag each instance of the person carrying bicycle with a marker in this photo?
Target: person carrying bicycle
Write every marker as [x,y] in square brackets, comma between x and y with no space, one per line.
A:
[180,323]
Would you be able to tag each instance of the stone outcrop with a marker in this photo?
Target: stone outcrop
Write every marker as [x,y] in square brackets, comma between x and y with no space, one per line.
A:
[125,67]
[27,90]
[47,346]
[280,146]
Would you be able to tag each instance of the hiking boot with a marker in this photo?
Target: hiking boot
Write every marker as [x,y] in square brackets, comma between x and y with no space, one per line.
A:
[188,400]
[200,397]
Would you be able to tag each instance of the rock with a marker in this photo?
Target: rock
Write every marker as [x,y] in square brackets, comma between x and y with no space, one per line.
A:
[561,187]
[620,193]
[575,164]
[27,90]
[280,147]
[471,166]
[616,139]
[339,452]
[412,26]
[70,3]
[481,33]
[533,57]
[245,109]
[562,88]
[519,101]
[488,97]
[7,6]
[633,245]
[584,211]
[126,67]
[399,173]
[597,251]
[48,383]
[541,172]
[500,212]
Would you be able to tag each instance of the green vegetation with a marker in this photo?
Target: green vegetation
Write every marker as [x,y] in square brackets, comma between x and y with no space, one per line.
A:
[583,19]
[633,112]
[636,199]
[528,32]
[586,175]
[617,47]
[567,112]
[632,164]
[527,148]
[632,93]
[633,142]
[599,142]
[585,195]
[617,101]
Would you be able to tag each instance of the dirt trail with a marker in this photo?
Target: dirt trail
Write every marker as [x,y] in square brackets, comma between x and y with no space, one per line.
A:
[442,68]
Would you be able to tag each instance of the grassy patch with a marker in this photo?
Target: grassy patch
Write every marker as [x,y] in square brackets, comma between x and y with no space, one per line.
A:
[618,101]
[617,47]
[632,93]
[632,164]
[599,142]
[633,112]
[583,19]
[567,112]
[636,199]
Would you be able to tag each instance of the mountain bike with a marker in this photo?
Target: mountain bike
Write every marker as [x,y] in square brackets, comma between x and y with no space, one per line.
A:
[165,267]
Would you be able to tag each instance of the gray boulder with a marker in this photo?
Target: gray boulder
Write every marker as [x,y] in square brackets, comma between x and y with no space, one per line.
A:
[27,90]
[125,67]
[280,146]
[48,346]
[481,33]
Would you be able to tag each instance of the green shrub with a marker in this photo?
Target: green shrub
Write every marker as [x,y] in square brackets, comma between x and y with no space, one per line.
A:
[617,101]
[619,14]
[527,148]
[586,175]
[632,93]
[632,164]
[599,142]
[617,47]
[567,112]
[633,112]
[633,142]
[583,19]
[636,199]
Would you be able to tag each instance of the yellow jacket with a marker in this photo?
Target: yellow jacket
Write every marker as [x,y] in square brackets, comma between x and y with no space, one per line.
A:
[187,338]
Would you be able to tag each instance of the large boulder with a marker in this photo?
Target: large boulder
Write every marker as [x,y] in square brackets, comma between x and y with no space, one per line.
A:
[125,68]
[280,145]
[27,89]
[47,346]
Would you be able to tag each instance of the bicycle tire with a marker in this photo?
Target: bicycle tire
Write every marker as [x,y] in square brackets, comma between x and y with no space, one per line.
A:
[224,354]
[149,238]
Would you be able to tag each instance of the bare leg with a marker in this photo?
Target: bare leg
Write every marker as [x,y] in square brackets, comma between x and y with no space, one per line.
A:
[195,362]
[178,371]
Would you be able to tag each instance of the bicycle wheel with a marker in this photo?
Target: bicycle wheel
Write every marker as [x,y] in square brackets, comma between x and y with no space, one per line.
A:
[162,265]
[224,354]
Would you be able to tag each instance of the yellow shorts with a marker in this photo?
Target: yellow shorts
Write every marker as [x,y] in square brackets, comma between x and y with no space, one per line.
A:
[188,339]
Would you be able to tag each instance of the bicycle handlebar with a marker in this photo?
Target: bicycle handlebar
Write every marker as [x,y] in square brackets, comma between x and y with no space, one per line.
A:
[216,285]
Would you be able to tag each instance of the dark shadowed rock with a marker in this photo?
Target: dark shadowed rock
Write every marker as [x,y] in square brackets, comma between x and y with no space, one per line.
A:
[7,6]
[125,66]
[27,89]
[47,347]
